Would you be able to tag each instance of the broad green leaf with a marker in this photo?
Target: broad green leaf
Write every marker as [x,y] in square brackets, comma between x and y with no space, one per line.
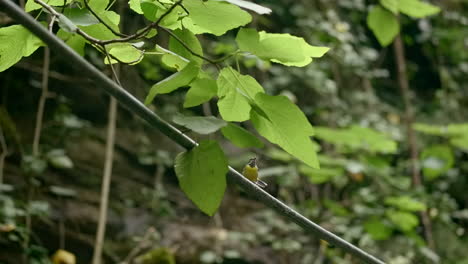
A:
[436,160]
[322,175]
[213,17]
[391,5]
[383,24]
[173,82]
[124,52]
[251,6]
[201,90]
[135,6]
[202,175]
[417,8]
[377,229]
[200,124]
[81,16]
[189,39]
[286,126]
[16,42]
[405,203]
[356,138]
[75,41]
[281,48]
[403,220]
[236,92]
[98,5]
[240,136]
[153,10]
[31,5]
[99,31]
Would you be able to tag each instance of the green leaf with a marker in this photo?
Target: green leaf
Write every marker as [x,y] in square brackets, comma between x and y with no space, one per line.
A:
[286,126]
[383,24]
[213,17]
[391,5]
[81,16]
[201,90]
[124,52]
[100,31]
[377,229]
[202,175]
[405,203]
[16,42]
[436,160]
[417,9]
[281,48]
[251,6]
[356,138]
[200,124]
[190,40]
[322,175]
[172,60]
[98,5]
[31,5]
[135,6]
[241,137]
[75,41]
[235,92]
[403,220]
[173,82]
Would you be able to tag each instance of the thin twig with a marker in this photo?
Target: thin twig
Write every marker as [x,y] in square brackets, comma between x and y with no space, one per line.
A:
[2,156]
[102,21]
[187,47]
[409,119]
[37,134]
[103,206]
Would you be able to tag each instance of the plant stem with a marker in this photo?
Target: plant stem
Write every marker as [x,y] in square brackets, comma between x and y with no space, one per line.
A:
[409,119]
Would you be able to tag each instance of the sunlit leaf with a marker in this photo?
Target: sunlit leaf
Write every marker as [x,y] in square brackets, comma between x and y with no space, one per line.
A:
[281,48]
[213,17]
[383,24]
[16,42]
[417,8]
[285,125]
[236,92]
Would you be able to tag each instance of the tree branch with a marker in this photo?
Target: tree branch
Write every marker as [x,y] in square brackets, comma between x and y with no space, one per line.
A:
[131,103]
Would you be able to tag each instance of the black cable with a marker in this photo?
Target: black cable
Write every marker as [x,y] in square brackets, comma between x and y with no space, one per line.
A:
[127,100]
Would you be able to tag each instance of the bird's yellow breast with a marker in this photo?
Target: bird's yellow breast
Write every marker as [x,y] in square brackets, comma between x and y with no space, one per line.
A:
[251,173]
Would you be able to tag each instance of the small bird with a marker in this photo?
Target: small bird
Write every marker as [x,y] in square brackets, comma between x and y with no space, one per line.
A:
[251,172]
